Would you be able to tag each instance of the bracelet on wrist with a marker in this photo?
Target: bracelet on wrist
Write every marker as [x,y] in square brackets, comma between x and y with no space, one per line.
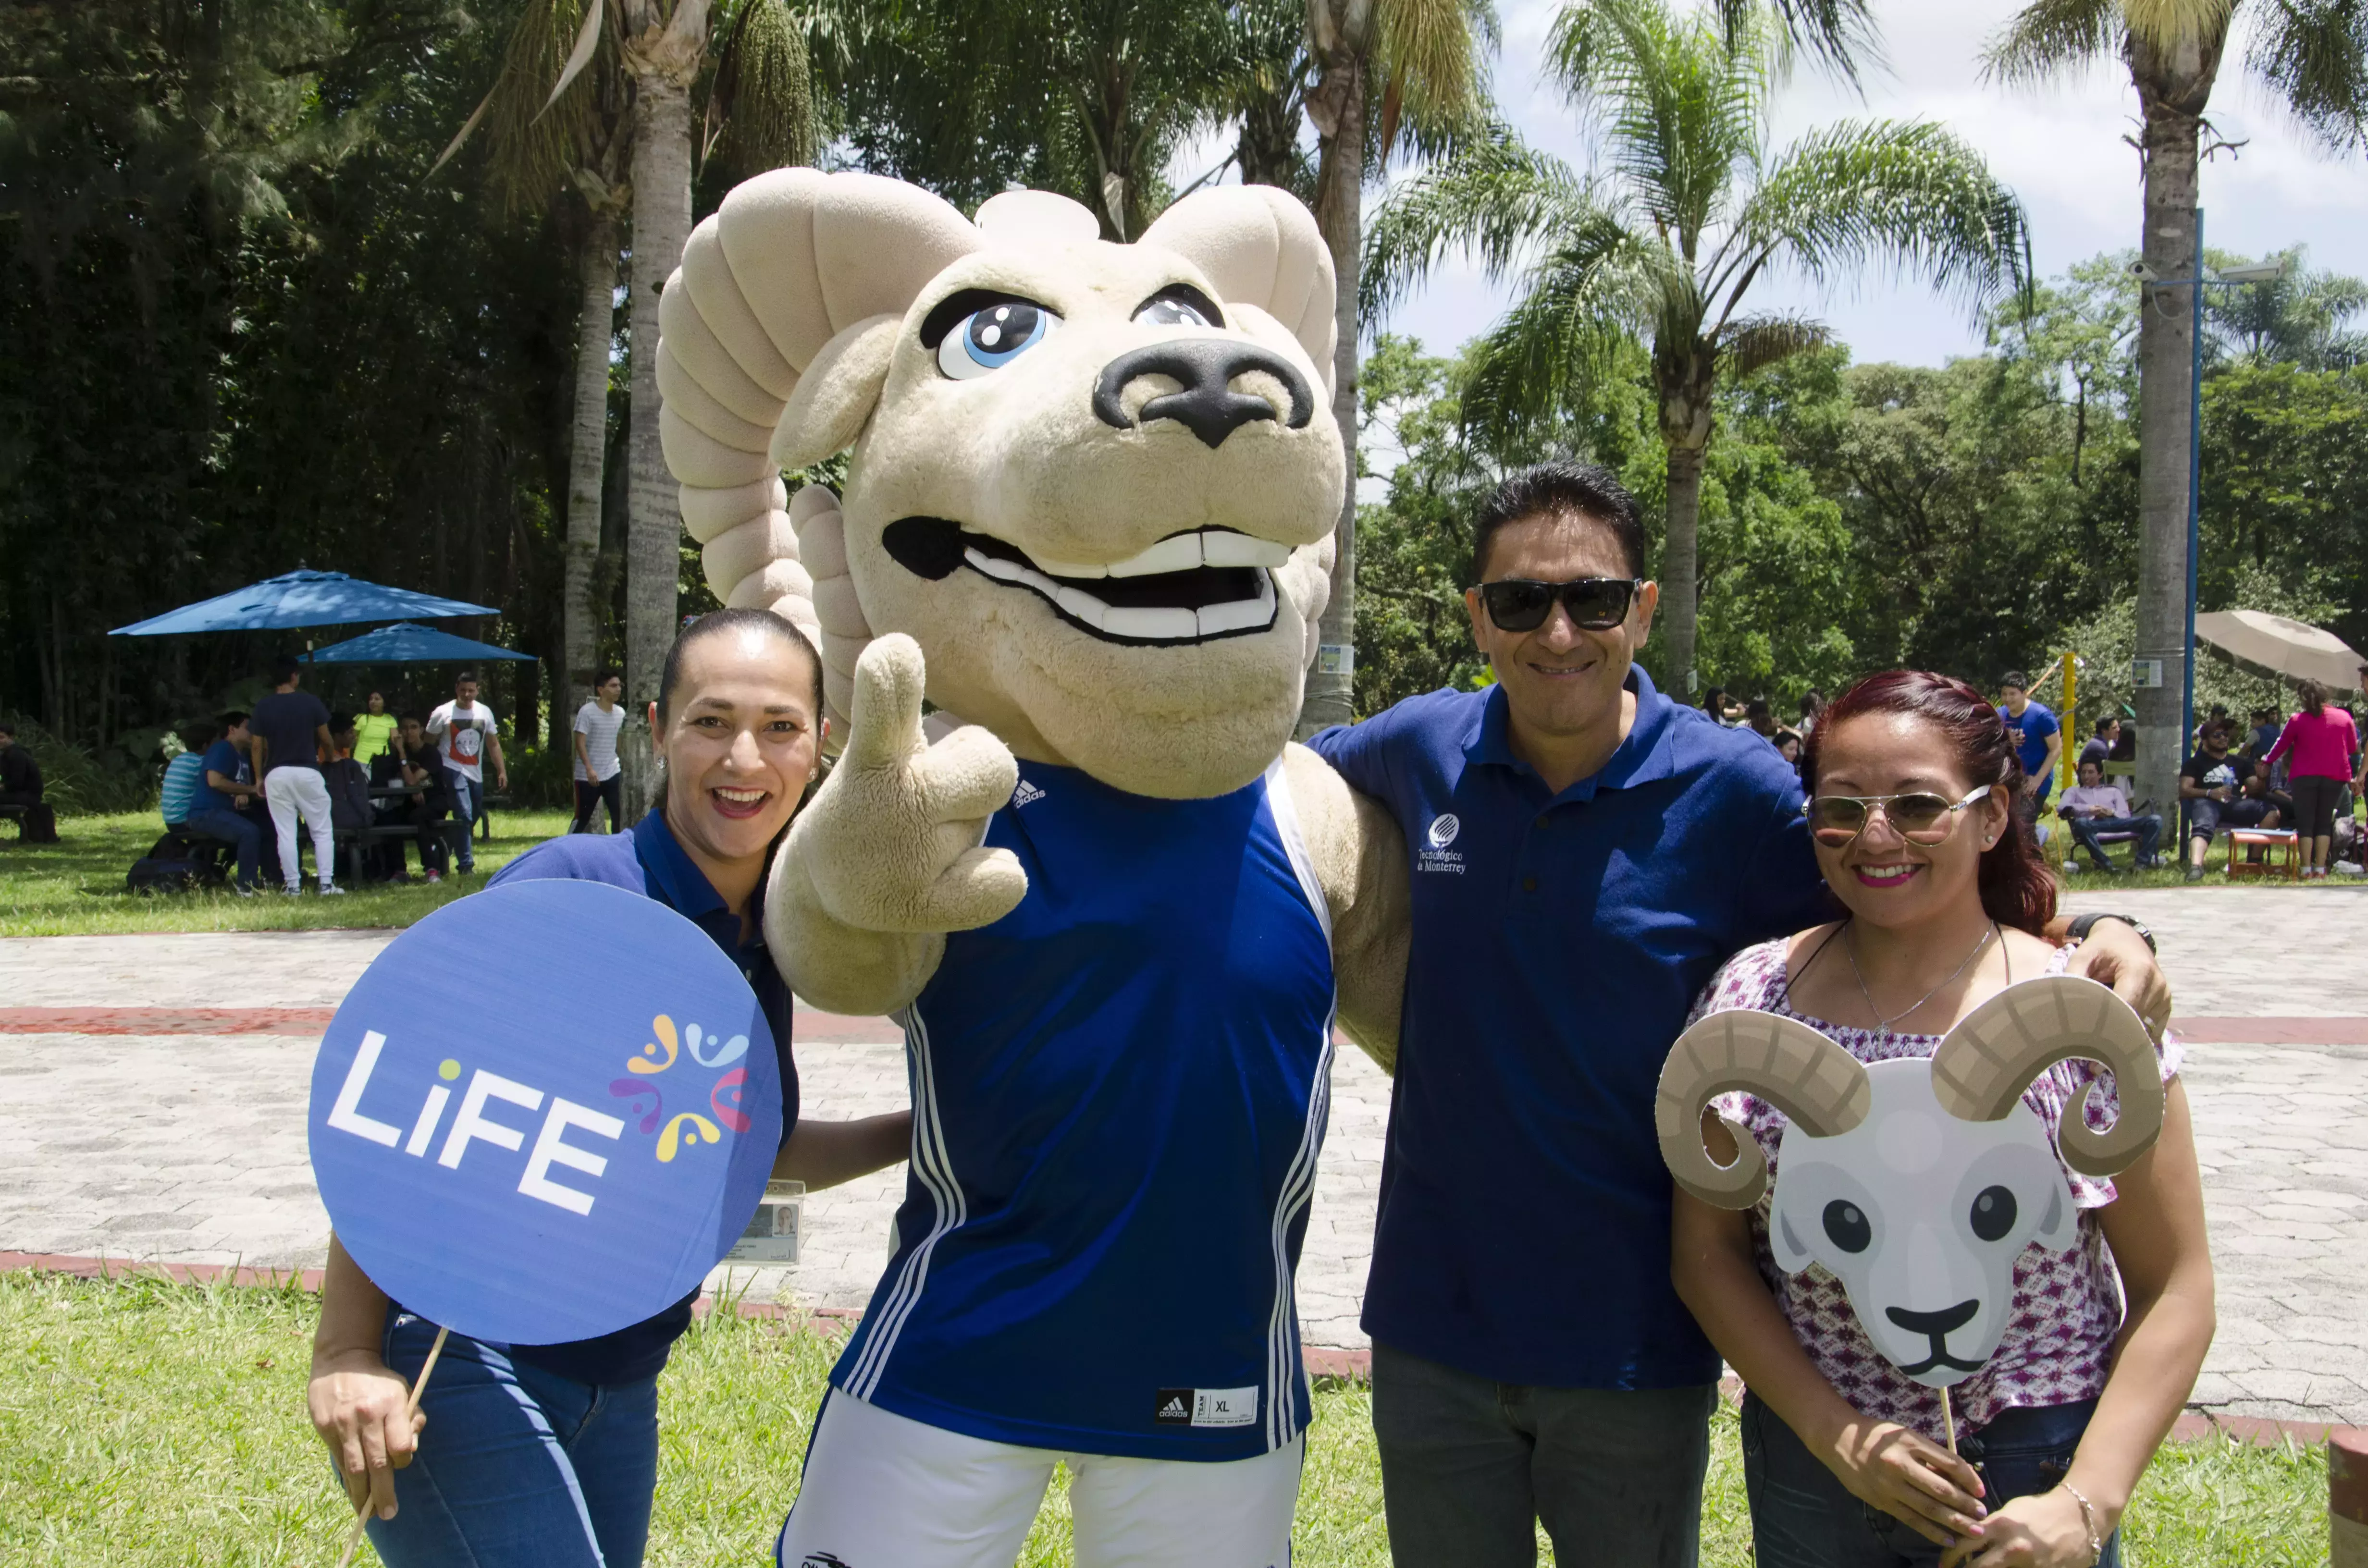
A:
[2088,1522]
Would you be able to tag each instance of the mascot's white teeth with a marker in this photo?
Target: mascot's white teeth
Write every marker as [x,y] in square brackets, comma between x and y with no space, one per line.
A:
[1188,588]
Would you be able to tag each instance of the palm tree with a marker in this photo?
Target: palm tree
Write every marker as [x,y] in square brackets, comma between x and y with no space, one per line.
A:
[1424,57]
[1692,207]
[2308,52]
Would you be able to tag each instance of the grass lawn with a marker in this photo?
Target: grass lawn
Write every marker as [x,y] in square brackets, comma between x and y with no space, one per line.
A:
[150,1424]
[75,887]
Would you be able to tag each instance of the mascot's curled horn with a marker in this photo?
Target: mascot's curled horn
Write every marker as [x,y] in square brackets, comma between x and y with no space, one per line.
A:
[1088,514]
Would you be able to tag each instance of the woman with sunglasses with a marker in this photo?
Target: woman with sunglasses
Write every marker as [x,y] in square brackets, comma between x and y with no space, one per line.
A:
[1912,781]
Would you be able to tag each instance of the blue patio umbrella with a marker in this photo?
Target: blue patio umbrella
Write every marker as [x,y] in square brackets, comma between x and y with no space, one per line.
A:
[301,599]
[403,644]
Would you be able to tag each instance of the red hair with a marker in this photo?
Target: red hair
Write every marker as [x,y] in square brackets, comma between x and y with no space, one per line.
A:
[2017,889]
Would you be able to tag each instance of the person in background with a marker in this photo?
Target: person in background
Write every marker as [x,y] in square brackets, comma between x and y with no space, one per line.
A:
[348,780]
[2038,739]
[599,777]
[1813,705]
[412,760]
[1846,1462]
[374,730]
[2260,737]
[2099,747]
[1759,717]
[546,1455]
[2208,782]
[1788,746]
[2219,715]
[2322,745]
[184,775]
[223,789]
[290,732]
[21,785]
[1714,703]
[2093,807]
[464,733]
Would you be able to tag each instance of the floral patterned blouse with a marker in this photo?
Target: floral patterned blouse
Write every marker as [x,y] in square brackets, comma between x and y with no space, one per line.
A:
[2057,1346]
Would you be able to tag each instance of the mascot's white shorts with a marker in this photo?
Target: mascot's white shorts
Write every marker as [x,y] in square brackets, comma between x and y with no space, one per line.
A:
[882,1491]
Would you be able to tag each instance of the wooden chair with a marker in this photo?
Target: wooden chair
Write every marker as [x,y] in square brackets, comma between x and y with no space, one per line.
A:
[2281,840]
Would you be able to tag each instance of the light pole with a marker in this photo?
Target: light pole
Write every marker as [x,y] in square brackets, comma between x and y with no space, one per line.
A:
[2231,277]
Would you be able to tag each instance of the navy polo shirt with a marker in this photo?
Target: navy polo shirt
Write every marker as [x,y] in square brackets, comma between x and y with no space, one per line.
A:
[650,861]
[1559,942]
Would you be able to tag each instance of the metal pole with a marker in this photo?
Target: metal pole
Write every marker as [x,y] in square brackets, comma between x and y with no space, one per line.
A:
[2194,488]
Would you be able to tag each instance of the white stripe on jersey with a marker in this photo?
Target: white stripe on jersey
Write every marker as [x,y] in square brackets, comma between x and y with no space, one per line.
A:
[935,1167]
[1298,1182]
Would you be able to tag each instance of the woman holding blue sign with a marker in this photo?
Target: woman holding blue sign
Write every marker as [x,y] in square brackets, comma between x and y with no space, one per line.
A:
[547,1454]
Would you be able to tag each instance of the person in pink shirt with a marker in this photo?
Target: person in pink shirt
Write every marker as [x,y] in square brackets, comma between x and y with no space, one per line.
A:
[2322,747]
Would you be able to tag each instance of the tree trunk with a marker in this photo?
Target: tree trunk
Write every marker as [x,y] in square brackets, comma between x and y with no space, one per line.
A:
[596,328]
[1685,376]
[1338,107]
[1680,549]
[2174,87]
[664,60]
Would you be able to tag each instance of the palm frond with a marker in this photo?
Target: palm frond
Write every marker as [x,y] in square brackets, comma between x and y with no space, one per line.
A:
[1427,56]
[1495,199]
[2049,36]
[1839,35]
[1681,109]
[1582,305]
[2169,23]
[1754,342]
[535,130]
[2314,53]
[1908,193]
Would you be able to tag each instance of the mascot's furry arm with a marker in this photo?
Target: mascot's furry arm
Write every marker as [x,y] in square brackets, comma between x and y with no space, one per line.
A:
[1089,510]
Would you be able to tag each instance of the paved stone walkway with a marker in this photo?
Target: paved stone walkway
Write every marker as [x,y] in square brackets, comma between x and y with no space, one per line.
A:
[103,1156]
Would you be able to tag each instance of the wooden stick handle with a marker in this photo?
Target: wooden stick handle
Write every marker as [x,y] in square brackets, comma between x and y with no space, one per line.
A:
[410,1409]
[1948,1420]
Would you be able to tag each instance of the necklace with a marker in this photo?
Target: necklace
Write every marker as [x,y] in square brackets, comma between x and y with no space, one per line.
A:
[1849,950]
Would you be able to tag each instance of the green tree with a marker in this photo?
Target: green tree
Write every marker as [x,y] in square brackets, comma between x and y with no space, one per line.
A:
[1692,208]
[2313,56]
[2300,317]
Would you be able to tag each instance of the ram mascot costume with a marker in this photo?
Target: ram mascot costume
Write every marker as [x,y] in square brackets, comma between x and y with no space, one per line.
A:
[1088,516]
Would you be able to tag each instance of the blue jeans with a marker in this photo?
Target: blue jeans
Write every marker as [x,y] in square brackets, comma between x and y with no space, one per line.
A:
[468,805]
[1801,1516]
[232,828]
[517,1467]
[2147,828]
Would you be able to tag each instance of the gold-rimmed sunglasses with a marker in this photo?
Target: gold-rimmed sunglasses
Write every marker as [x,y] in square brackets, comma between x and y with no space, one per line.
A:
[1919,816]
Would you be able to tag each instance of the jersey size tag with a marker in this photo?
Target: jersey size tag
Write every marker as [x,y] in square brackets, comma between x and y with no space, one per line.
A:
[1207,1407]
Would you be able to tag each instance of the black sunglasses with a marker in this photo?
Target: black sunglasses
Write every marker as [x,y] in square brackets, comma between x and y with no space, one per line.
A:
[1593,604]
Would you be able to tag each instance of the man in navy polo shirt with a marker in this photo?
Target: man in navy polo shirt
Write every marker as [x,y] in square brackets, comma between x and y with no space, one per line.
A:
[1584,853]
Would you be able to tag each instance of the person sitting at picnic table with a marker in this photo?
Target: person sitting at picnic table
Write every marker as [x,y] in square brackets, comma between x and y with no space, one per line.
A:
[374,730]
[21,786]
[223,789]
[2093,808]
[186,773]
[1947,900]
[2322,745]
[348,780]
[412,759]
[2209,781]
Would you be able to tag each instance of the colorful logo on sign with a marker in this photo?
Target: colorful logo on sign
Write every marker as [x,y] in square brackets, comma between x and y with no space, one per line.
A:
[484,1176]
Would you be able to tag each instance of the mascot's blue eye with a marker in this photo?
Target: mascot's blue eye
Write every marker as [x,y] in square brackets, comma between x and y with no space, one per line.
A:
[990,338]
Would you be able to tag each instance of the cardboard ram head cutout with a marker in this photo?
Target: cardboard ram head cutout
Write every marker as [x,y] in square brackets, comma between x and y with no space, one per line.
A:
[1919,1181]
[1096,482]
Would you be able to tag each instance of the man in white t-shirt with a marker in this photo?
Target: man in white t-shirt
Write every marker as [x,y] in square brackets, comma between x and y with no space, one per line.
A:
[599,777]
[464,735]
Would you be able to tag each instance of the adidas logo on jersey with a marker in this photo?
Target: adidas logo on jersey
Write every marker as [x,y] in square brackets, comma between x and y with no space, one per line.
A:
[1175,1407]
[1027,794]
[1206,1407]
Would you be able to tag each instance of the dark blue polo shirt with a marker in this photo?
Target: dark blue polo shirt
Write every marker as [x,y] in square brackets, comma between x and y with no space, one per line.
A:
[650,861]
[1559,941]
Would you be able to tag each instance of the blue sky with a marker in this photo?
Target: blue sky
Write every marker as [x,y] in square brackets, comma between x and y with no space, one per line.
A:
[2060,148]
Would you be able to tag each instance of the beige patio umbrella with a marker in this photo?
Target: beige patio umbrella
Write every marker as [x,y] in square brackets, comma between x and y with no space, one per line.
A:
[2281,646]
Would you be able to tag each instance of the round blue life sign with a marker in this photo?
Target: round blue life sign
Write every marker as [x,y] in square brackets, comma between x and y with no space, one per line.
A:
[545,1112]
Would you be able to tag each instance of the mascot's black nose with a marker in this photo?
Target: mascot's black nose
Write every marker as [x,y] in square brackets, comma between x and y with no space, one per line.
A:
[1208,406]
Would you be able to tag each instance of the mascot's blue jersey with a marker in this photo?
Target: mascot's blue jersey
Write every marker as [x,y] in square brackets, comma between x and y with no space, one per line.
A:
[1119,1092]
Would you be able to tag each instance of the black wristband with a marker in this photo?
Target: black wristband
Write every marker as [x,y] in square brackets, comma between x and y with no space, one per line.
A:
[2083,923]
